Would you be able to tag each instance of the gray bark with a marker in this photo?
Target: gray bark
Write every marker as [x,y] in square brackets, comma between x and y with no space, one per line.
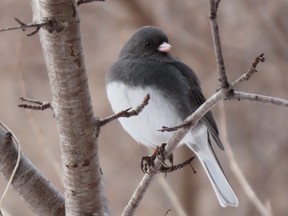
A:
[71,103]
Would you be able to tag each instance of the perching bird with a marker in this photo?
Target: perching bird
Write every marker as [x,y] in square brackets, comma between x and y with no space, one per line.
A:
[144,66]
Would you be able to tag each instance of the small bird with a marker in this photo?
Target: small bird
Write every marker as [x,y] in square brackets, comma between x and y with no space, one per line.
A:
[146,66]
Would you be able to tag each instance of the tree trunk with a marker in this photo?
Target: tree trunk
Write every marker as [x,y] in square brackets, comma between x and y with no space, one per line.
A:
[71,103]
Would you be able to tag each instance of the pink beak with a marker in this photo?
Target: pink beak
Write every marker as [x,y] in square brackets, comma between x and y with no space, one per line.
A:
[164,47]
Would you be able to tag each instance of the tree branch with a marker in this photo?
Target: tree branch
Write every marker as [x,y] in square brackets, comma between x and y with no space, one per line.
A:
[79,2]
[237,95]
[237,171]
[252,70]
[41,196]
[217,45]
[126,113]
[34,104]
[24,26]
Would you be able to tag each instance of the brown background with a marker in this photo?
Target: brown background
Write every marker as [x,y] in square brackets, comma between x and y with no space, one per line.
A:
[258,133]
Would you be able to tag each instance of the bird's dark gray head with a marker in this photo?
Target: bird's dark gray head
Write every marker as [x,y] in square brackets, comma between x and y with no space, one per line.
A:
[145,42]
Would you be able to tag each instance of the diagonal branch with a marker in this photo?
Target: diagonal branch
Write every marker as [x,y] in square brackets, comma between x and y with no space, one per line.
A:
[237,171]
[41,196]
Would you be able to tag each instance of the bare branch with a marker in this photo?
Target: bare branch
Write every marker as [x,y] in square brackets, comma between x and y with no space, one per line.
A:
[171,196]
[126,113]
[138,195]
[167,212]
[7,140]
[79,2]
[264,211]
[217,45]
[25,26]
[36,190]
[40,105]
[185,124]
[237,95]
[246,76]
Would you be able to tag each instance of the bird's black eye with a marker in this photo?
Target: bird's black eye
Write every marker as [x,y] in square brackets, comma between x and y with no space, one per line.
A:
[148,43]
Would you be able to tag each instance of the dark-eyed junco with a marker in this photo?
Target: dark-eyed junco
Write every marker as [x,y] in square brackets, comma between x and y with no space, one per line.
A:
[144,66]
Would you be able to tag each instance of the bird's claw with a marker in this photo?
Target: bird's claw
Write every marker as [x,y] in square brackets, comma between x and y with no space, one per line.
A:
[147,162]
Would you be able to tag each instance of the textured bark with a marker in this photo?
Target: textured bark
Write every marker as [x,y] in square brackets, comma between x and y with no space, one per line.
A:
[71,103]
[37,191]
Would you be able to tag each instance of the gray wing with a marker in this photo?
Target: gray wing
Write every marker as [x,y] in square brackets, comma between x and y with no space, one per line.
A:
[197,99]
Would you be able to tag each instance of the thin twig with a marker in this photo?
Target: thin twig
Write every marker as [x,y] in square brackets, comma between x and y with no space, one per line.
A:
[185,124]
[171,196]
[24,26]
[224,84]
[126,113]
[167,212]
[36,130]
[79,2]
[237,95]
[34,104]
[246,76]
[236,169]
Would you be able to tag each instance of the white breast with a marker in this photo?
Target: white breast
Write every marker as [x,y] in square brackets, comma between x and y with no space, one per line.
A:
[144,127]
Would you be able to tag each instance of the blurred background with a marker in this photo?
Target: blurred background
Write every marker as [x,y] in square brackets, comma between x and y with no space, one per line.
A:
[257,132]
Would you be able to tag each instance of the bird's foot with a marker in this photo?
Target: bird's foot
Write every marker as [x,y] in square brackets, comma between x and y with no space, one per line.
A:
[162,155]
[147,162]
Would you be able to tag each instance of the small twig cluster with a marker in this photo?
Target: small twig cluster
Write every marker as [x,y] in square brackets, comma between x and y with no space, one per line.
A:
[34,104]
